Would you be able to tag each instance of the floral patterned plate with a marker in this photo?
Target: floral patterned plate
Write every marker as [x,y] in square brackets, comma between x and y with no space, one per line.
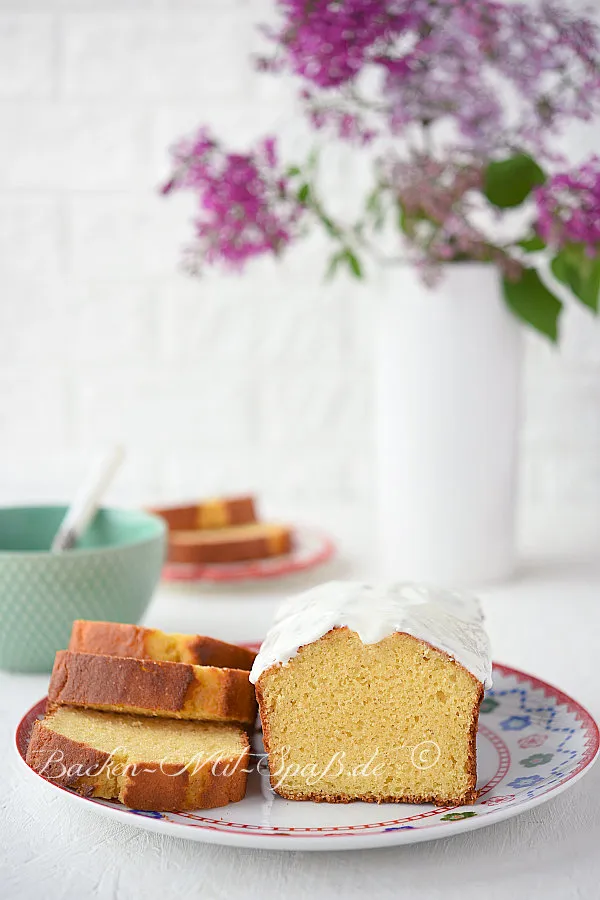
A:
[311,548]
[533,742]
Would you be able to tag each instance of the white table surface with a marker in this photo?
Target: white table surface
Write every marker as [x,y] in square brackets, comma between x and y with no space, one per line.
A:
[547,622]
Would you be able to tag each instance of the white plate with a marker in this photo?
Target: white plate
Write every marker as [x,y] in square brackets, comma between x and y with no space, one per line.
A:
[533,743]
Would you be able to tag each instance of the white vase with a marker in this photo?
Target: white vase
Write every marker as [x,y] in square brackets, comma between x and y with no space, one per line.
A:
[448,390]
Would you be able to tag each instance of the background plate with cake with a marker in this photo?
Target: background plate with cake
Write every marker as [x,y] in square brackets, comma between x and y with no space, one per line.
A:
[224,539]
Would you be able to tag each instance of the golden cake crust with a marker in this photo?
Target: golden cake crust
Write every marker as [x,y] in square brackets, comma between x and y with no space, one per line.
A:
[146,687]
[221,512]
[467,798]
[151,785]
[120,639]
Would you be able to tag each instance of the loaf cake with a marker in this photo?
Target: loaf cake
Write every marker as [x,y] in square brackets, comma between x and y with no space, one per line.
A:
[150,764]
[146,687]
[373,693]
[118,639]
[221,512]
[226,545]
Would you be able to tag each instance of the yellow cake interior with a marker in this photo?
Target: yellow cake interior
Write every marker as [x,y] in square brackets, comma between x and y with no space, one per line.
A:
[392,720]
[108,752]
[174,647]
[146,739]
[169,647]
[231,533]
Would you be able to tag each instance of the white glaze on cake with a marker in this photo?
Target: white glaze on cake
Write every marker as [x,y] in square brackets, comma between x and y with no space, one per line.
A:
[447,620]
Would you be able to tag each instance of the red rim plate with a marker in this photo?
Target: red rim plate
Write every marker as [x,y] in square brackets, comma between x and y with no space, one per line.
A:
[214,829]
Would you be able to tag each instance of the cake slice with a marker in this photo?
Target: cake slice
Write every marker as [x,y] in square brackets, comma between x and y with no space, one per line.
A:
[226,545]
[220,512]
[153,764]
[145,687]
[370,693]
[118,639]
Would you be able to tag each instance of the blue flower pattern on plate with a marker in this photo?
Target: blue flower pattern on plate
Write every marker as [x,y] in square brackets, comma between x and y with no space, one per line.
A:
[516,723]
[525,781]
[148,813]
[541,717]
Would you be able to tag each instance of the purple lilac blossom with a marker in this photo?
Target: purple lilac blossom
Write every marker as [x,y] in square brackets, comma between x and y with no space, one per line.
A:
[447,61]
[437,203]
[568,208]
[245,206]
[327,43]
[474,80]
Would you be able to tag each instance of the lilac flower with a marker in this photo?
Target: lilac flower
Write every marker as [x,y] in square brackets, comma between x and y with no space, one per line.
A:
[445,61]
[246,207]
[476,90]
[436,199]
[328,43]
[434,187]
[568,208]
[348,125]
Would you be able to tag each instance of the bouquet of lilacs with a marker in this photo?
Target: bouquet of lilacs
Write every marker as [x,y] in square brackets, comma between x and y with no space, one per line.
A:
[457,106]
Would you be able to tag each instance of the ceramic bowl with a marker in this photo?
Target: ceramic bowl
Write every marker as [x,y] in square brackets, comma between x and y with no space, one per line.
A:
[110,575]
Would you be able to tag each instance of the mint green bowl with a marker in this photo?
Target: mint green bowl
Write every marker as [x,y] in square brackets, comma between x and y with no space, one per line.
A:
[110,575]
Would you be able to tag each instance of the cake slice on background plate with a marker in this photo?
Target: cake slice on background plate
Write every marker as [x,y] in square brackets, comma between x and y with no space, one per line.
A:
[373,693]
[218,512]
[240,543]
[222,530]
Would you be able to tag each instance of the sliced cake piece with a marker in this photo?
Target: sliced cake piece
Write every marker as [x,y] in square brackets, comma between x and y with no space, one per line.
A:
[220,512]
[226,545]
[145,687]
[153,764]
[117,639]
[373,693]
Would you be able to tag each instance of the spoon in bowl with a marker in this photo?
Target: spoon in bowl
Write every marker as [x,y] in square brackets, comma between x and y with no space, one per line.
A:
[87,500]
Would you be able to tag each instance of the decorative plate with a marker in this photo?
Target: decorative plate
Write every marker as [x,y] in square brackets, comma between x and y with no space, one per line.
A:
[533,742]
[311,548]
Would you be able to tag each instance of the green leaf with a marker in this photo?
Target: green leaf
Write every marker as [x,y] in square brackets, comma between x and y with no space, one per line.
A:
[532,244]
[376,209]
[304,193]
[531,301]
[402,220]
[344,256]
[508,182]
[334,262]
[353,263]
[374,200]
[573,267]
[407,223]
[293,170]
[313,159]
[329,226]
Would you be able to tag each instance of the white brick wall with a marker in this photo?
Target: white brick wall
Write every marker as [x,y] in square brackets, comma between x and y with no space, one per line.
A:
[260,382]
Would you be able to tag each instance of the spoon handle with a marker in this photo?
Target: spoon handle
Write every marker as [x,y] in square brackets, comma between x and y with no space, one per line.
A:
[86,502]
